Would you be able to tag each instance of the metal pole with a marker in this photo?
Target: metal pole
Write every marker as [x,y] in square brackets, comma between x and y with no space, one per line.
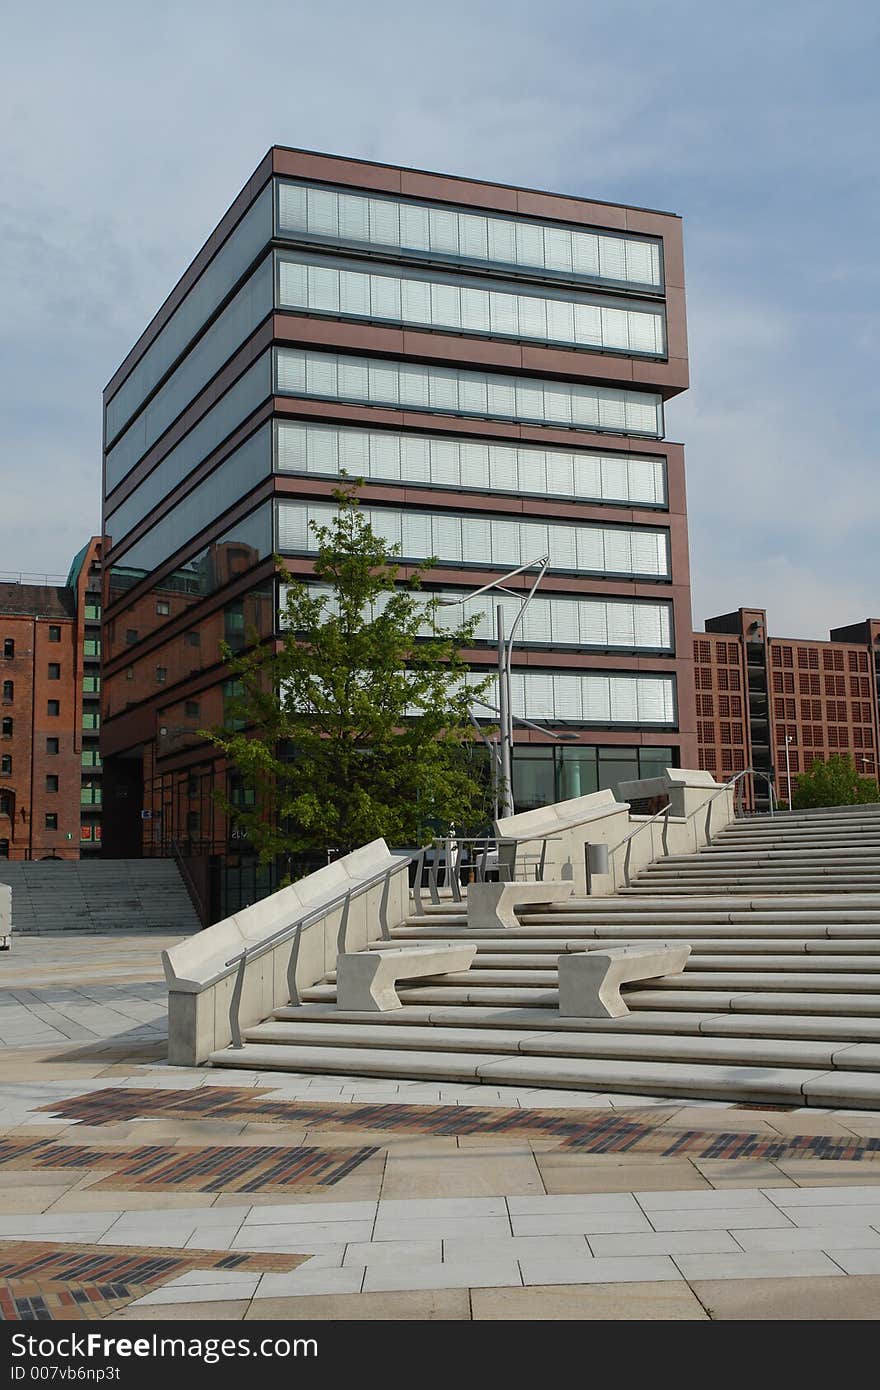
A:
[788,768]
[505,723]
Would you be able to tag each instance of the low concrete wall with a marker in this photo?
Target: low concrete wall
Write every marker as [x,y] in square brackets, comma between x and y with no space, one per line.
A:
[599,819]
[568,827]
[200,983]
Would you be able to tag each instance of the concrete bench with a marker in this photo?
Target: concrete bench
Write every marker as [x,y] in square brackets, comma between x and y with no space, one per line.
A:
[365,980]
[491,905]
[589,981]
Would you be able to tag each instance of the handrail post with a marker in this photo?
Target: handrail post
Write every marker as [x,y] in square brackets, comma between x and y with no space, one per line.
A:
[626,862]
[343,926]
[433,871]
[383,908]
[292,963]
[665,837]
[480,858]
[455,868]
[235,1004]
[539,874]
[417,884]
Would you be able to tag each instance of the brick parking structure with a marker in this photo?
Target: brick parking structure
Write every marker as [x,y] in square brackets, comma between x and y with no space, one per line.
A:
[755,692]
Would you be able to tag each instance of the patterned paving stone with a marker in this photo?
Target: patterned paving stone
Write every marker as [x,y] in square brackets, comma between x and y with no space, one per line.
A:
[583,1131]
[39,1281]
[212,1168]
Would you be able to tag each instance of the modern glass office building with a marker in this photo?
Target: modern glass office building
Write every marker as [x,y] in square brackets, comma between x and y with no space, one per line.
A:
[493,363]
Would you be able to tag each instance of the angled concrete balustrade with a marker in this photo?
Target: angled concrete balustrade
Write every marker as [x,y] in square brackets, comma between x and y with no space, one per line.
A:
[568,827]
[201,971]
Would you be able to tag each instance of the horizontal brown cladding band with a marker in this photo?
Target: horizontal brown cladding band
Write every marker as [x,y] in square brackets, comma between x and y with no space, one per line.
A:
[415,184]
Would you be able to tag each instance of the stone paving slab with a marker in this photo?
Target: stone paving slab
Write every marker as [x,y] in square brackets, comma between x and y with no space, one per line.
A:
[816,1299]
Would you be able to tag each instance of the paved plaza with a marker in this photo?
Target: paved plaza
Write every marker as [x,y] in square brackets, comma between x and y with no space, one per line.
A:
[131,1189]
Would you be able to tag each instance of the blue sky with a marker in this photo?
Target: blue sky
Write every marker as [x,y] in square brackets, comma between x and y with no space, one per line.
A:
[127,133]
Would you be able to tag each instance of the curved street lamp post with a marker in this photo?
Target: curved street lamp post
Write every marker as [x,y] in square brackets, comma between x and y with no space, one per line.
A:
[506,718]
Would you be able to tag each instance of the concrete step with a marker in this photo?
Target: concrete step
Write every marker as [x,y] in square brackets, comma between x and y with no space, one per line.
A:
[743,869]
[794,1085]
[794,1052]
[712,881]
[521,951]
[706,992]
[802,1001]
[783,816]
[99,895]
[746,887]
[747,1025]
[779,1000]
[738,976]
[777,858]
[832,903]
[706,936]
[722,959]
[629,913]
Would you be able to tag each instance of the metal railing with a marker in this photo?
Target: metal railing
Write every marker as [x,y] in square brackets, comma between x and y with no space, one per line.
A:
[52,581]
[628,839]
[294,929]
[189,882]
[448,860]
[664,812]
[736,781]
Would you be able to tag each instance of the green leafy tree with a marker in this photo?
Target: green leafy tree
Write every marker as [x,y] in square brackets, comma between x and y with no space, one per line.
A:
[359,724]
[833,783]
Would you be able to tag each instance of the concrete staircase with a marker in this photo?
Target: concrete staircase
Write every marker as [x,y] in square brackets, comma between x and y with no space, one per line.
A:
[98,895]
[779,1002]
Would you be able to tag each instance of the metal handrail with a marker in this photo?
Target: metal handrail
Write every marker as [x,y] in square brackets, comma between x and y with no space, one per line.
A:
[451,865]
[194,894]
[707,804]
[665,812]
[294,929]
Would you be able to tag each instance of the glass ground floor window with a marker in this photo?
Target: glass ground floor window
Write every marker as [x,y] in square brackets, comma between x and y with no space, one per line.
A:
[543,774]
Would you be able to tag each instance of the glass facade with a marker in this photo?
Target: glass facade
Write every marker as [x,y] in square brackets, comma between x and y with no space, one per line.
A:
[237,253]
[234,478]
[440,232]
[232,554]
[225,415]
[238,320]
[602,623]
[597,698]
[491,447]
[460,539]
[390,456]
[390,295]
[412,385]
[542,775]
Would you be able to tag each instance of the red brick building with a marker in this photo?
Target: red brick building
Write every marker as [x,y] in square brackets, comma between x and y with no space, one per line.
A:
[760,697]
[50,768]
